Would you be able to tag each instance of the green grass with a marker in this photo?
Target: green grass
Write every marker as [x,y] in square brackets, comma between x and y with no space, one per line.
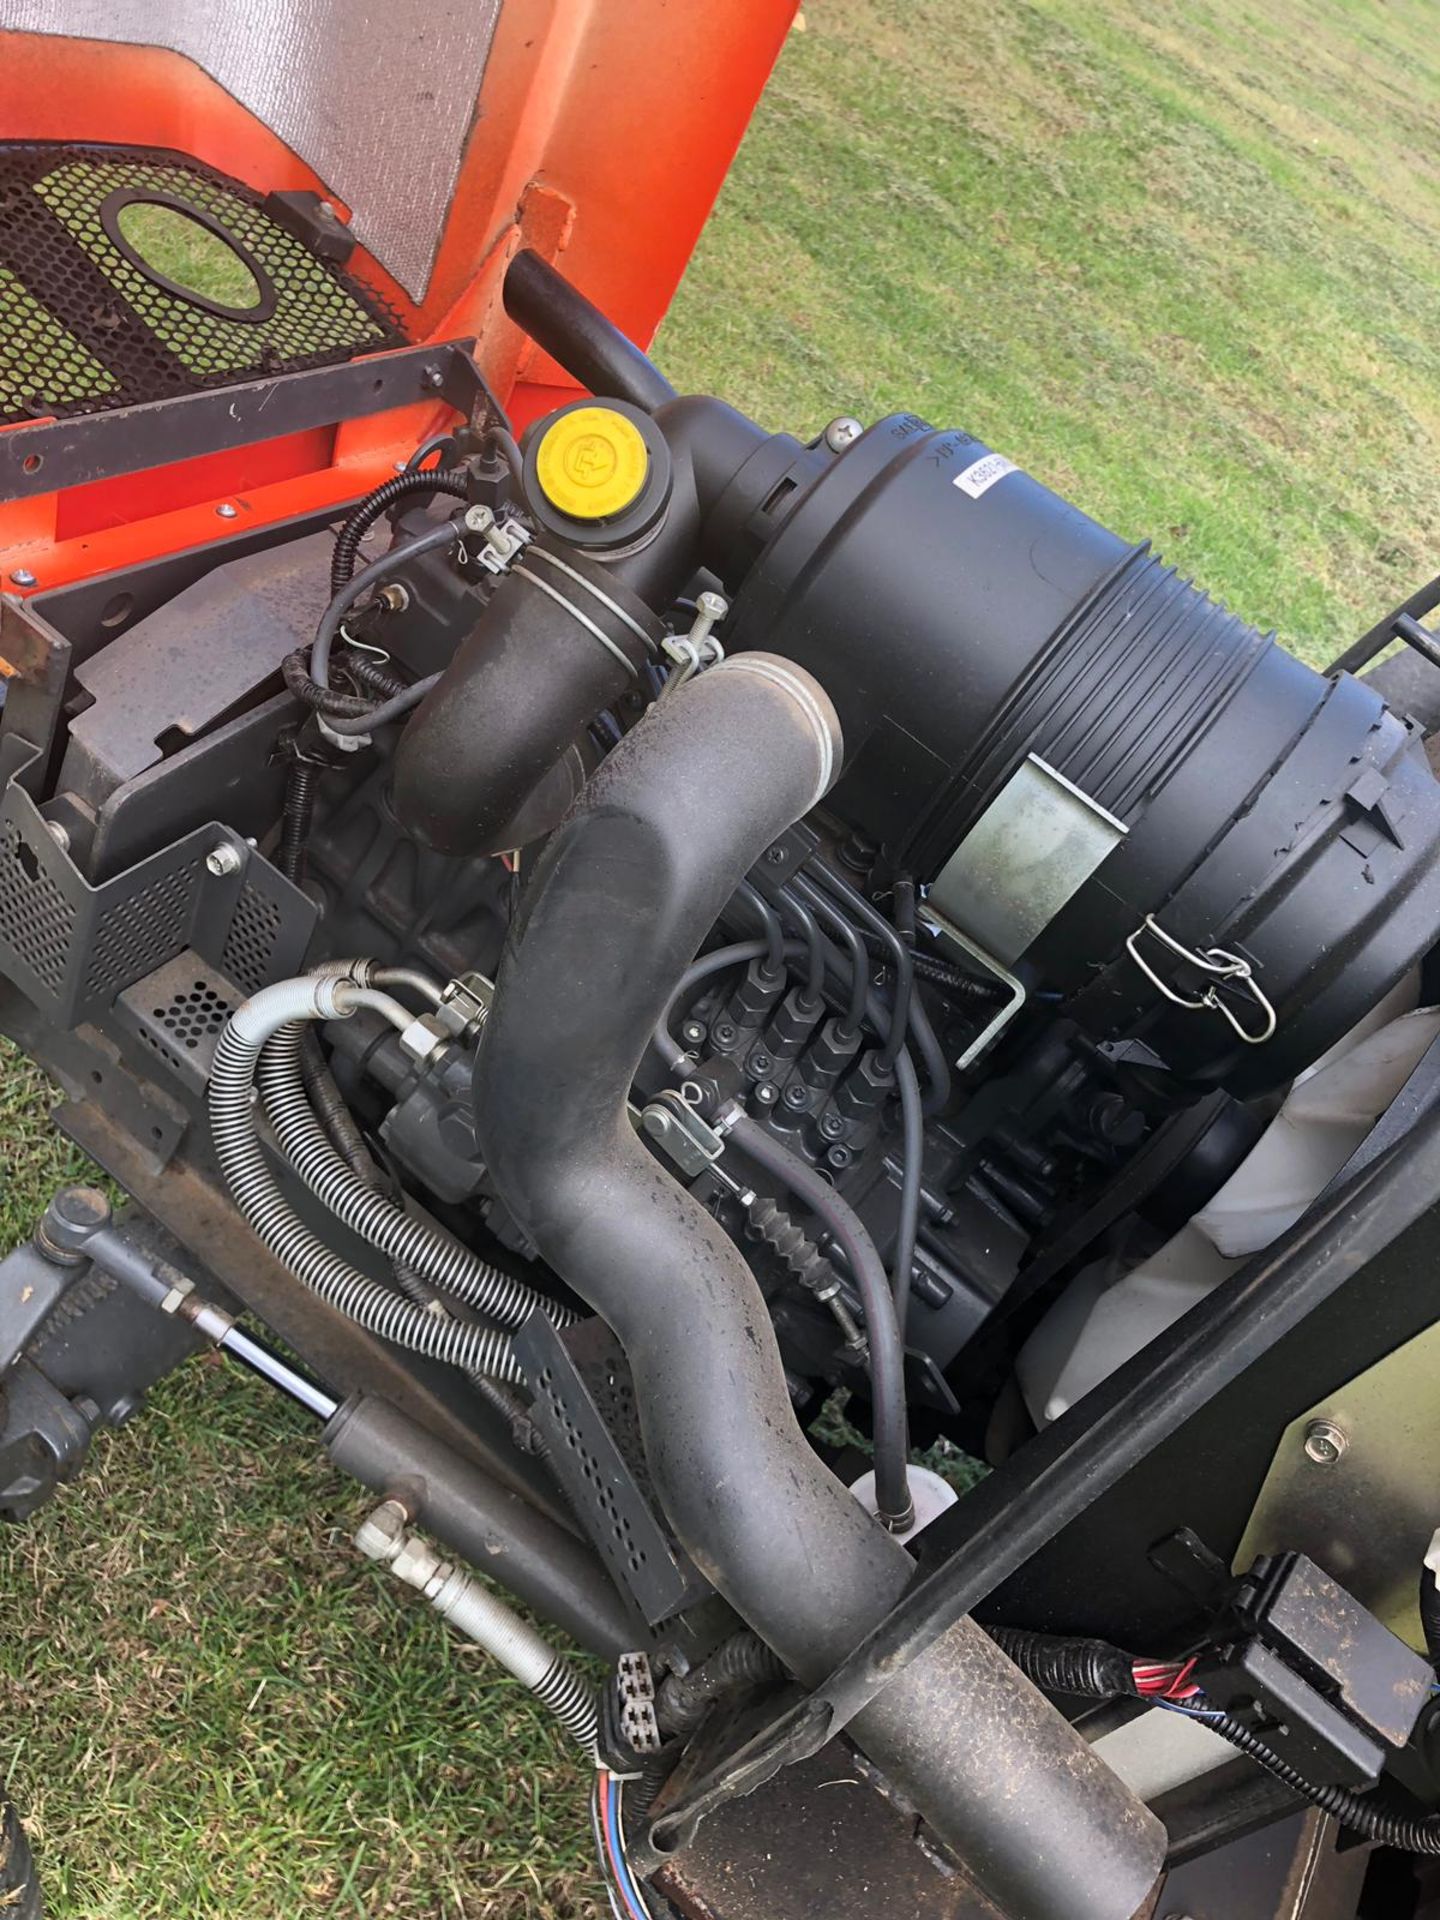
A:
[1179,260]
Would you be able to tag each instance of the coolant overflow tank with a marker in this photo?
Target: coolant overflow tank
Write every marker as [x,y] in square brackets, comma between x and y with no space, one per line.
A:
[1112,782]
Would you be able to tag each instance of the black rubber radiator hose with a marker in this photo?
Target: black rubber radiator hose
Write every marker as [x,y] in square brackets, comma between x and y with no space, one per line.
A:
[628,886]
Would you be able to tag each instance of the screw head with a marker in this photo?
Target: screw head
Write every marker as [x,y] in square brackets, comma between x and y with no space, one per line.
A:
[843,432]
[478,519]
[767,1093]
[777,856]
[760,1064]
[831,1124]
[59,833]
[23,577]
[838,1157]
[432,378]
[1325,1443]
[724,1034]
[227,510]
[222,860]
[797,1095]
[692,1033]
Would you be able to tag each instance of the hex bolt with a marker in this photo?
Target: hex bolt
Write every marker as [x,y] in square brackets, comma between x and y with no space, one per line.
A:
[222,860]
[23,577]
[710,607]
[843,433]
[432,378]
[1325,1443]
[227,510]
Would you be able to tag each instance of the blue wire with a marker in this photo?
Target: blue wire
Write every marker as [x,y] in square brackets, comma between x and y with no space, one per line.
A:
[622,1866]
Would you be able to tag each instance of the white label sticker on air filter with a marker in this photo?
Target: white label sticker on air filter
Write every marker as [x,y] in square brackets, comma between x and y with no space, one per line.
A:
[978,479]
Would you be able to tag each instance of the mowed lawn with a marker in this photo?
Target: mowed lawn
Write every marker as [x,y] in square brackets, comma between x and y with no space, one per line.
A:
[1183,262]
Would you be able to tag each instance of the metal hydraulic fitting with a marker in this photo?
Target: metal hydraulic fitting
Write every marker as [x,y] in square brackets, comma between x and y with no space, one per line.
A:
[790,1026]
[754,997]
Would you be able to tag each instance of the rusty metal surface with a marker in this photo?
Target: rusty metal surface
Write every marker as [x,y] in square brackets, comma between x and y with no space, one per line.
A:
[820,1843]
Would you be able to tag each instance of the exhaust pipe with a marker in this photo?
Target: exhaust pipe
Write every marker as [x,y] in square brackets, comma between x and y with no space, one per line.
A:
[629,885]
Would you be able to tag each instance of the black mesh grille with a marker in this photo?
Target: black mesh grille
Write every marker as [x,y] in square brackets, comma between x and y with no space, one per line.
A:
[83,327]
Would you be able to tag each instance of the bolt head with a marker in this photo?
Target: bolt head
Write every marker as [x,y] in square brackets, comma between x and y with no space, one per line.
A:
[725,1035]
[58,832]
[767,1093]
[838,1157]
[797,1095]
[23,577]
[1325,1443]
[715,604]
[776,856]
[478,519]
[222,860]
[692,1032]
[843,432]
[831,1124]
[227,510]
[432,378]
[760,1064]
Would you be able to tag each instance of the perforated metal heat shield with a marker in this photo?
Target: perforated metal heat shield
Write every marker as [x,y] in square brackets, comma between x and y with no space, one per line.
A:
[84,327]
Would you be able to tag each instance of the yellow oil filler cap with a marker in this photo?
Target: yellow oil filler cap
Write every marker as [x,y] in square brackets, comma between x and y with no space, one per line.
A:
[592,463]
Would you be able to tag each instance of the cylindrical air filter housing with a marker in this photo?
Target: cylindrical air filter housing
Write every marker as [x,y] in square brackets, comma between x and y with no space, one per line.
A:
[1113,785]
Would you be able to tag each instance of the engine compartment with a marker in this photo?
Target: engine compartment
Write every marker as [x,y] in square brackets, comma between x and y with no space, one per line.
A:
[949,901]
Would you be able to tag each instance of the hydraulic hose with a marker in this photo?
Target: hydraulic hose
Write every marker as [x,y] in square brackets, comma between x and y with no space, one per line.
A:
[471,1608]
[426,1250]
[912,1179]
[887,1353]
[247,1173]
[770,927]
[855,951]
[633,880]
[415,480]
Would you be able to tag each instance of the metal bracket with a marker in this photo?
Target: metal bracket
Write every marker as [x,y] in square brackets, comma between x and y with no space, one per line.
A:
[100,446]
[675,1126]
[1224,969]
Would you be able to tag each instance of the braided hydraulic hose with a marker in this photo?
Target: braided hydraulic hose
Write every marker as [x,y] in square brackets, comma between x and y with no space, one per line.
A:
[470,1607]
[451,480]
[247,1173]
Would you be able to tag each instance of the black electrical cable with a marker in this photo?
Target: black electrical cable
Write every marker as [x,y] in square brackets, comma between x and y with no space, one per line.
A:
[887,1356]
[1091,1668]
[453,481]
[1410,1833]
[1095,1669]
[683,1699]
[440,533]
[770,926]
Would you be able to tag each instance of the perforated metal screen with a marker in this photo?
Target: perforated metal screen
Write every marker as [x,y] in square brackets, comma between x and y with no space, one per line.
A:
[86,324]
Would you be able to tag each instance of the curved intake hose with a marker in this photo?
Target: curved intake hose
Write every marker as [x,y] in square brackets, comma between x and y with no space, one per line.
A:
[560,640]
[626,890]
[571,330]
